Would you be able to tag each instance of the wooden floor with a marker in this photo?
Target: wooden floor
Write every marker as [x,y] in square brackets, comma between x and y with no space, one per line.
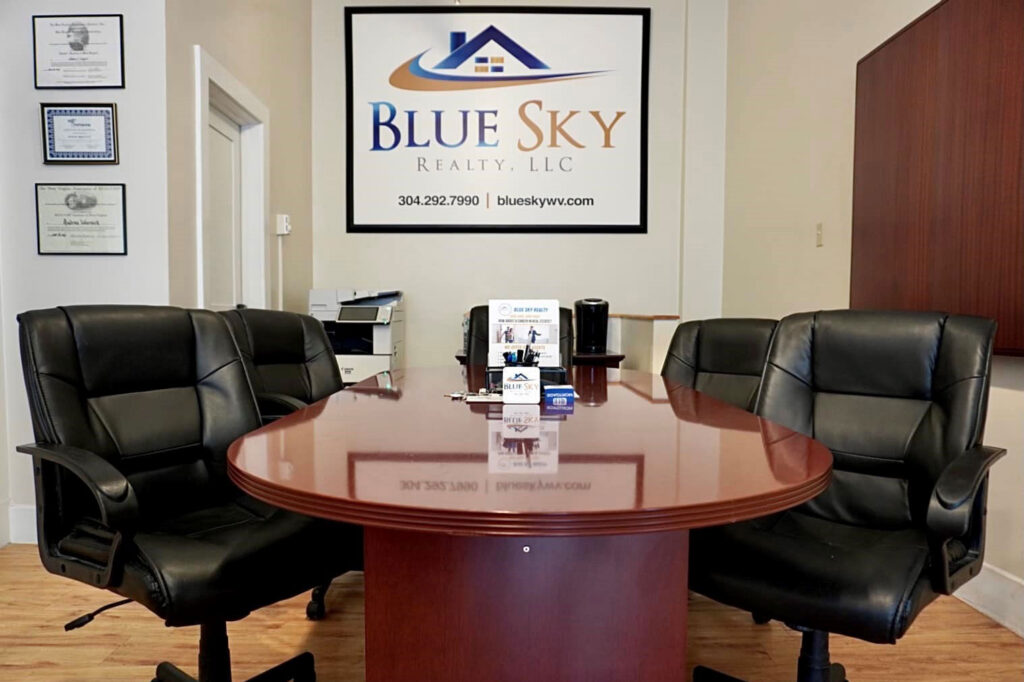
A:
[950,641]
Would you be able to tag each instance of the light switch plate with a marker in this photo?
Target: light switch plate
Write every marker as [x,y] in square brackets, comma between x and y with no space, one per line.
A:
[284,224]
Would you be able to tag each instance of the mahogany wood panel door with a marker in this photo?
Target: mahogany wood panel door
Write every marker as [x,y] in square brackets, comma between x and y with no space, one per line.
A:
[938,217]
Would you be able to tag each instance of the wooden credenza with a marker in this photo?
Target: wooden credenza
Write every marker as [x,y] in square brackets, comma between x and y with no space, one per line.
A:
[938,196]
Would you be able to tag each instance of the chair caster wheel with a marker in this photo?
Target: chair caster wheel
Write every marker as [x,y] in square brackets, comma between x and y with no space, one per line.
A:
[316,610]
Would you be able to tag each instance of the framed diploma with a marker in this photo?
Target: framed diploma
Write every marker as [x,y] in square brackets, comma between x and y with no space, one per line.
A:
[81,219]
[79,133]
[79,51]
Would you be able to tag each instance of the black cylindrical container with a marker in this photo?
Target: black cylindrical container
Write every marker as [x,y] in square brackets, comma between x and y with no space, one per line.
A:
[591,325]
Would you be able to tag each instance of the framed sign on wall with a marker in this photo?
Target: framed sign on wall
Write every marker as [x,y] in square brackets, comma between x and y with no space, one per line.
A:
[496,120]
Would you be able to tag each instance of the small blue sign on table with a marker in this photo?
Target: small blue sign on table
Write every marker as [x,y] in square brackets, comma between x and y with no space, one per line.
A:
[559,396]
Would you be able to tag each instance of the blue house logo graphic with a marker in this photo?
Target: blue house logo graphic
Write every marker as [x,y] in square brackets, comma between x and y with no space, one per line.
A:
[462,50]
[489,70]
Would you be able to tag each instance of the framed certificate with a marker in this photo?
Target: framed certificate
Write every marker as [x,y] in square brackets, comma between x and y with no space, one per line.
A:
[79,133]
[79,51]
[81,219]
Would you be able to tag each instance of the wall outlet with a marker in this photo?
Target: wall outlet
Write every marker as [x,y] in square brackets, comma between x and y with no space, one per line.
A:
[284,224]
[819,239]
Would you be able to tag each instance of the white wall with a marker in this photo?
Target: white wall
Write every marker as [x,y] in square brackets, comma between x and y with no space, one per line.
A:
[789,165]
[702,250]
[444,275]
[5,486]
[29,281]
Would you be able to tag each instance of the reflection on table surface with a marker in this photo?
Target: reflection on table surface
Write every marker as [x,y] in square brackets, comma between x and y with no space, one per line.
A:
[632,442]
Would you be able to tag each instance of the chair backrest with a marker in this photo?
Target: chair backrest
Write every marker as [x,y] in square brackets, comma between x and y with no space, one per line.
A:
[158,392]
[723,357]
[894,395]
[285,353]
[478,340]
[479,337]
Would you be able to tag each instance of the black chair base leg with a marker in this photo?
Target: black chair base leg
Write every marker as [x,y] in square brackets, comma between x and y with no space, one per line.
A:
[316,609]
[836,673]
[215,662]
[702,674]
[168,672]
[298,669]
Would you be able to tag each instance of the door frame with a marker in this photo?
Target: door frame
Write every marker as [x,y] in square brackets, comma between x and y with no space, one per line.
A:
[216,86]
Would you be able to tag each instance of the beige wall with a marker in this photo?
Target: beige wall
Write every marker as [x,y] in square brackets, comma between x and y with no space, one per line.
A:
[266,46]
[789,165]
[443,275]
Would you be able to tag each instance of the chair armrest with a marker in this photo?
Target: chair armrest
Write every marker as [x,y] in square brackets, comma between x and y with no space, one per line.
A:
[949,509]
[119,508]
[278,404]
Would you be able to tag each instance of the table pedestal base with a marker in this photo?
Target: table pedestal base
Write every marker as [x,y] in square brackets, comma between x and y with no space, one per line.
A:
[452,608]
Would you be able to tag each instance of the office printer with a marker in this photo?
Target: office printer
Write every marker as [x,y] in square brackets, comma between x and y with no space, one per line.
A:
[366,329]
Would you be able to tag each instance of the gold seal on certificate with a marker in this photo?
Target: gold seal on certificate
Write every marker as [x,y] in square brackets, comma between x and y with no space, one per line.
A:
[79,133]
[79,51]
[81,219]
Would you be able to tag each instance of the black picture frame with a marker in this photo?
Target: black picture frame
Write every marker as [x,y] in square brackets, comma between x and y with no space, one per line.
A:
[66,86]
[639,228]
[124,219]
[45,121]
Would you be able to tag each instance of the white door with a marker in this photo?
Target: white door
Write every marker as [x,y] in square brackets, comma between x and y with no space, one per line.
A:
[222,214]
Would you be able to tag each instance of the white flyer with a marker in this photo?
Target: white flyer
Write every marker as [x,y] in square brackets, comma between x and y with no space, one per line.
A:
[514,324]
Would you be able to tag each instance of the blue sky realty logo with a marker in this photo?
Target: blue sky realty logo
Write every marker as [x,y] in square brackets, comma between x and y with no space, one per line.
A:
[491,59]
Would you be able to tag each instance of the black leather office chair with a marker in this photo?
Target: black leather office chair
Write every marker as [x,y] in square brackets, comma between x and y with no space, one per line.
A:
[133,408]
[723,358]
[900,399]
[479,336]
[288,358]
[290,363]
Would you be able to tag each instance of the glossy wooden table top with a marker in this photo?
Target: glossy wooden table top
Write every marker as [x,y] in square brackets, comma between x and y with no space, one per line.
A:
[637,454]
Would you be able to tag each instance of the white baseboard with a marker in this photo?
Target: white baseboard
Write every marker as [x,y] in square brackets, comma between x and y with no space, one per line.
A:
[997,594]
[23,523]
[5,523]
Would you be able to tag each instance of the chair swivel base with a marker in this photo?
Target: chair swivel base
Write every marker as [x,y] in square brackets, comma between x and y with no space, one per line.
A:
[812,666]
[297,669]
[836,673]
[215,662]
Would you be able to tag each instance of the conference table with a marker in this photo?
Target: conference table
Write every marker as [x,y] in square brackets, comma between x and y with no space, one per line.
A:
[511,542]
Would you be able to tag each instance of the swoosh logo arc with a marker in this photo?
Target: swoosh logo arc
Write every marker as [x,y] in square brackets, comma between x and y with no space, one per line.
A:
[412,76]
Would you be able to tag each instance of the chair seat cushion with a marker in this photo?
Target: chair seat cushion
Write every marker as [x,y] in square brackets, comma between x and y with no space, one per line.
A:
[820,574]
[224,561]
